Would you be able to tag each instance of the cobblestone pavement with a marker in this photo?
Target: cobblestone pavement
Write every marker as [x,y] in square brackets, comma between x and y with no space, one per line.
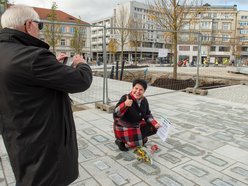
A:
[207,145]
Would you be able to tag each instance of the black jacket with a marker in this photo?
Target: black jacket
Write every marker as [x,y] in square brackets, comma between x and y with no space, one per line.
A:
[35,111]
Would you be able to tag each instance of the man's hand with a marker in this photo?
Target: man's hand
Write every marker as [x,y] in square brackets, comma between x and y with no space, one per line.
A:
[77,59]
[61,56]
[128,102]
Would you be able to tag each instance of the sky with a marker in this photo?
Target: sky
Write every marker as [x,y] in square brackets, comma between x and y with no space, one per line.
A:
[91,10]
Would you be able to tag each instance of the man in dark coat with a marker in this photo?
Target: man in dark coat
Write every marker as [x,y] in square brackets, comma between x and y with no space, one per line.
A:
[35,110]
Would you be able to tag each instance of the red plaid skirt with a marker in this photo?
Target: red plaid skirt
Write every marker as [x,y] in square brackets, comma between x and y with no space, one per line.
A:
[133,136]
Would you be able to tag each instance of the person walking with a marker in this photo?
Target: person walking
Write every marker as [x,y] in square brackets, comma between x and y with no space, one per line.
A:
[37,123]
[133,121]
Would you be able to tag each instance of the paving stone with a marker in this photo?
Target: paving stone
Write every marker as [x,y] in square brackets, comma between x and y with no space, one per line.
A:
[233,152]
[9,175]
[202,141]
[203,175]
[114,175]
[155,174]
[238,171]
[87,182]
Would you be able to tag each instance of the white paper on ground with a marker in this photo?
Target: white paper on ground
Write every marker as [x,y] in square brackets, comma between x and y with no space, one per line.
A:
[163,130]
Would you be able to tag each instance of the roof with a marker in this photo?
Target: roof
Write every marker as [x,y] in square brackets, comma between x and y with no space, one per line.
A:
[61,16]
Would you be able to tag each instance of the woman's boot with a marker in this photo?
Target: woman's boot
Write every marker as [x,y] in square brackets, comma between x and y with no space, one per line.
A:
[121,145]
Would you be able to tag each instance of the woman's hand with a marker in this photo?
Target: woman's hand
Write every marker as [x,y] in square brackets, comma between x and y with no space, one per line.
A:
[157,125]
[128,102]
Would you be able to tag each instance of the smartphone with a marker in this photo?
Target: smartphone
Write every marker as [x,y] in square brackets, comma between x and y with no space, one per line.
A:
[65,60]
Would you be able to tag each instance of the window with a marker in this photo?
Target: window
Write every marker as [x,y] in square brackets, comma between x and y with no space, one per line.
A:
[224,49]
[195,48]
[244,17]
[213,48]
[243,31]
[226,26]
[184,37]
[205,25]
[243,23]
[186,26]
[184,48]
[215,26]
[244,49]
[72,30]
[63,30]
[244,39]
[62,42]
[225,38]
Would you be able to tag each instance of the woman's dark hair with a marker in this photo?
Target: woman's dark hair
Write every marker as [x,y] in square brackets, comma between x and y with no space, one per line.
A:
[142,82]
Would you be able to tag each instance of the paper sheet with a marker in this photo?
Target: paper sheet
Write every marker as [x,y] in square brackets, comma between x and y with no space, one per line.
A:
[163,131]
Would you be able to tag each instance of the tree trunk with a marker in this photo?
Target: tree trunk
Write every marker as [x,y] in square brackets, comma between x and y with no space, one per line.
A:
[175,56]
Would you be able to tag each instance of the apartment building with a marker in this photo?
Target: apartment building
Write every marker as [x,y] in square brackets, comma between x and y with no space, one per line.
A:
[217,24]
[97,32]
[151,40]
[221,26]
[242,35]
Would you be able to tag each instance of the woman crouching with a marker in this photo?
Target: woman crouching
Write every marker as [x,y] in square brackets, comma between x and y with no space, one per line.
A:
[133,121]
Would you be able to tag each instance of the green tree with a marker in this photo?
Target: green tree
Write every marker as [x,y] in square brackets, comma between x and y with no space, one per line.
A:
[52,30]
[79,37]
[112,47]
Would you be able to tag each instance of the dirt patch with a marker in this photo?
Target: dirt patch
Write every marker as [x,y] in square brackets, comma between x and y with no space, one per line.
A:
[173,84]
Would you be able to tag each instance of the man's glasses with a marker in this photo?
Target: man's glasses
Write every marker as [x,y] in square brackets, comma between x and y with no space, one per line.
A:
[40,24]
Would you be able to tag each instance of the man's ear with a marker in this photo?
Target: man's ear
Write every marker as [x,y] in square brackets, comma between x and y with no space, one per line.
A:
[28,28]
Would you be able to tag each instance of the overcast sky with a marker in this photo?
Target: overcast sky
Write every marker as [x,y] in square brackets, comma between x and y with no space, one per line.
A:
[90,10]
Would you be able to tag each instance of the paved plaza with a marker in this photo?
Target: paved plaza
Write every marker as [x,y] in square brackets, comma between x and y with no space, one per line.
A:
[207,144]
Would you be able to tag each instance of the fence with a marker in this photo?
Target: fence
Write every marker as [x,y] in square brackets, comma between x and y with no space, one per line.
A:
[103,52]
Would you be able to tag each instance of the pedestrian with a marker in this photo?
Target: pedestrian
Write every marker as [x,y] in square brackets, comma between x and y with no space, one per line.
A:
[133,121]
[37,123]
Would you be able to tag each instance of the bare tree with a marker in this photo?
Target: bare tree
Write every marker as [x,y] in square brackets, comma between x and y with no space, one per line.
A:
[122,22]
[135,37]
[170,15]
[79,37]
[52,30]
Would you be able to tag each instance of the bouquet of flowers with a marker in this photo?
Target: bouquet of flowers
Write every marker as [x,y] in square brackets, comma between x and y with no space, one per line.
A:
[143,155]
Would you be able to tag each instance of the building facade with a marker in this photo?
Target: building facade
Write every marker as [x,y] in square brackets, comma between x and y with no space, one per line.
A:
[223,29]
[61,31]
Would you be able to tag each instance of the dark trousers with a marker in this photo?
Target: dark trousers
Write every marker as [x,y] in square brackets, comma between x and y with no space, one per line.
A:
[148,130]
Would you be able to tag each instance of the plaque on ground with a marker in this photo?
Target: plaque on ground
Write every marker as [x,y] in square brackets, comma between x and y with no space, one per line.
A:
[214,160]
[168,180]
[190,150]
[219,182]
[147,169]
[100,138]
[89,131]
[171,158]
[101,165]
[240,171]
[118,179]
[195,170]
